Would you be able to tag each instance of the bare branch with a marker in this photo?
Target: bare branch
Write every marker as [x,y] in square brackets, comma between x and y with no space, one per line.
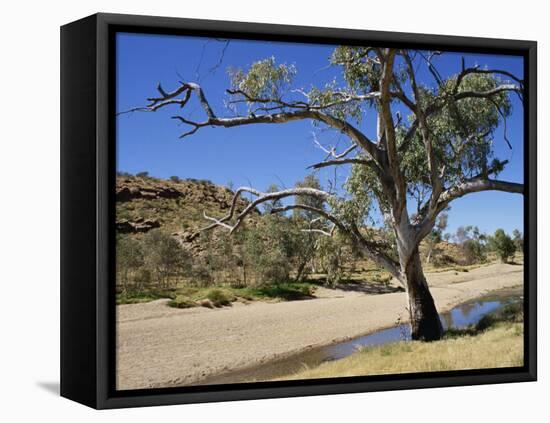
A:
[468,71]
[281,117]
[332,151]
[329,233]
[343,98]
[170,98]
[339,162]
[504,121]
[281,103]
[321,231]
[477,185]
[400,94]
[262,198]
[217,222]
[469,186]
[321,212]
[489,93]
[371,249]
[431,67]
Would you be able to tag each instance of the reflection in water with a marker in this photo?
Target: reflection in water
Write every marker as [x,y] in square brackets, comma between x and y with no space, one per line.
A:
[470,313]
[459,317]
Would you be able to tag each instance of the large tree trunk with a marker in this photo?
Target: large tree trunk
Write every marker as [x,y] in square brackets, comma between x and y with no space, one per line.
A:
[425,323]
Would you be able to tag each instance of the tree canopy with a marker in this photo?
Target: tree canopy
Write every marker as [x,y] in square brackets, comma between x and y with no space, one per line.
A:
[434,143]
[441,149]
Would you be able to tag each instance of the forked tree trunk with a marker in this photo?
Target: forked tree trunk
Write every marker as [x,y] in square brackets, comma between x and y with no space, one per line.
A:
[424,319]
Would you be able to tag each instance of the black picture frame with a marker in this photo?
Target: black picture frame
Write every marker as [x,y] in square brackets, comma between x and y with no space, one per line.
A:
[87,211]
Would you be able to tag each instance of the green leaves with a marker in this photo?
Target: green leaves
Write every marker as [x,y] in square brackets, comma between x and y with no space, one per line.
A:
[361,69]
[336,101]
[264,80]
[462,130]
[503,245]
[362,189]
[310,181]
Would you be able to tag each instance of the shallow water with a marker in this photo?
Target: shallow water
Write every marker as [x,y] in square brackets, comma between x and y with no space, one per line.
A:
[461,316]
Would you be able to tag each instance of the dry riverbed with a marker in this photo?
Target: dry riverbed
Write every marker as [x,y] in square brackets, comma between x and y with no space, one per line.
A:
[159,346]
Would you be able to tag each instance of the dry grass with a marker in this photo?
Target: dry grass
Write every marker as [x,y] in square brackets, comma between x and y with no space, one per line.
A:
[500,346]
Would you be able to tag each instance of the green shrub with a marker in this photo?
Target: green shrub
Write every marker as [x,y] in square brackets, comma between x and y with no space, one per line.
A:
[219,297]
[503,245]
[182,302]
[474,251]
[289,291]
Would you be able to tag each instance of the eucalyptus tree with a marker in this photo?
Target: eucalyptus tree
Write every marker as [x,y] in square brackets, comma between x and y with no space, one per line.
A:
[433,143]
[518,239]
[503,245]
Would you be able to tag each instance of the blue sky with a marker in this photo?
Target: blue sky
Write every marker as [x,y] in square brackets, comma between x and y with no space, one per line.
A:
[261,155]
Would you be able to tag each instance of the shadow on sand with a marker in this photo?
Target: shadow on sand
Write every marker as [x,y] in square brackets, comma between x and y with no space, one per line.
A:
[373,288]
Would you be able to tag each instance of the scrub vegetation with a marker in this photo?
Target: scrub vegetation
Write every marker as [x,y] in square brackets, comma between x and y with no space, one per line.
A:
[269,259]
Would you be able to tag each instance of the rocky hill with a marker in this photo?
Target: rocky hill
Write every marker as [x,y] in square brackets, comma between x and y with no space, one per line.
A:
[175,206]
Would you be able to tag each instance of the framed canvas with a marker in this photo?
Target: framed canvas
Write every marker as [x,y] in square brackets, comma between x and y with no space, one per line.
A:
[259,211]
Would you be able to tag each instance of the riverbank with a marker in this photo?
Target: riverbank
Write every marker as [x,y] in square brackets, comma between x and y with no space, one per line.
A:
[159,346]
[495,342]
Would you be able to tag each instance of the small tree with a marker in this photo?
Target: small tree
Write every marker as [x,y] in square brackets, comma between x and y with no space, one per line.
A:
[518,240]
[436,235]
[268,251]
[164,257]
[474,251]
[306,225]
[224,260]
[334,253]
[304,246]
[268,206]
[129,258]
[472,243]
[503,245]
[175,179]
[310,202]
[142,278]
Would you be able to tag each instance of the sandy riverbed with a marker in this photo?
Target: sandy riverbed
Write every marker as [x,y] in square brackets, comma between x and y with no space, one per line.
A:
[159,346]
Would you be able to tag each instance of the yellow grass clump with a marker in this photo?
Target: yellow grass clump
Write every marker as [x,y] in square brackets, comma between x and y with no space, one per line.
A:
[500,346]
